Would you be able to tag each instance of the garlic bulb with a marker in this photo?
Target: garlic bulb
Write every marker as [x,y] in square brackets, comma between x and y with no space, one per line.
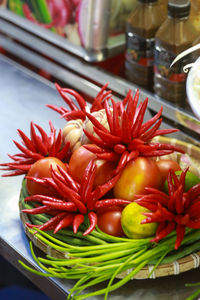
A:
[101,116]
[73,130]
[72,133]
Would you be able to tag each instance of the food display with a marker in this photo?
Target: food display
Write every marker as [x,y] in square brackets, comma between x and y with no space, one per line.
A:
[77,21]
[108,195]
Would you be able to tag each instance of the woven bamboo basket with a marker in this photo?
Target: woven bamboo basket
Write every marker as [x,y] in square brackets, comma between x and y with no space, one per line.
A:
[182,265]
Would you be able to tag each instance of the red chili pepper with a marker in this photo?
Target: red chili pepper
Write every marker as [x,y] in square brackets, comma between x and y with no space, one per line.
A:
[147,204]
[150,122]
[132,106]
[27,142]
[156,198]
[58,142]
[91,167]
[155,217]
[67,206]
[93,222]
[149,134]
[194,191]
[122,162]
[180,232]
[87,188]
[79,99]
[32,226]
[77,221]
[94,149]
[108,156]
[111,202]
[37,141]
[61,110]
[158,153]
[41,198]
[158,192]
[170,147]
[139,119]
[37,210]
[52,134]
[97,101]
[128,97]
[38,180]
[179,204]
[64,223]
[94,139]
[14,173]
[13,166]
[27,152]
[69,193]
[194,210]
[107,137]
[66,191]
[164,132]
[182,220]
[126,128]
[161,226]
[109,115]
[120,107]
[119,148]
[72,183]
[101,190]
[96,123]
[66,98]
[51,223]
[194,224]
[134,144]
[133,155]
[45,138]
[63,153]
[117,131]
[73,115]
[146,148]
[167,230]
[167,215]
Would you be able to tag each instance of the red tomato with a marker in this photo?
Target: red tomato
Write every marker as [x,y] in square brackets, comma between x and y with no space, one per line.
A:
[41,169]
[138,174]
[80,159]
[164,165]
[110,221]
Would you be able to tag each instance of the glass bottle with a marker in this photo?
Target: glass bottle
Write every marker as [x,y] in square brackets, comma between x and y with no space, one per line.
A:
[195,14]
[163,5]
[175,35]
[141,27]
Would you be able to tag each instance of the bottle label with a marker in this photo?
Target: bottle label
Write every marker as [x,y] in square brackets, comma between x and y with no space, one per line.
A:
[162,62]
[139,49]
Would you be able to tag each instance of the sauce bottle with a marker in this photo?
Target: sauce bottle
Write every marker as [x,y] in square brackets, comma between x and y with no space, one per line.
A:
[163,5]
[175,35]
[141,27]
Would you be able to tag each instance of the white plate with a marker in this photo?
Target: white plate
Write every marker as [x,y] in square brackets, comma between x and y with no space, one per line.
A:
[193,88]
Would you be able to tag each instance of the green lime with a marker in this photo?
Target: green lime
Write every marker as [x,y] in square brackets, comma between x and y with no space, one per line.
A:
[190,180]
[131,222]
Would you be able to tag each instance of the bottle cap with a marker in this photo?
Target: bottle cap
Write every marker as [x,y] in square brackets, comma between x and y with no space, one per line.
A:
[178,8]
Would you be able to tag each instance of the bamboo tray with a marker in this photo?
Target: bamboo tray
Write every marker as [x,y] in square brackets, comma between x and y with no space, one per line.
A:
[181,265]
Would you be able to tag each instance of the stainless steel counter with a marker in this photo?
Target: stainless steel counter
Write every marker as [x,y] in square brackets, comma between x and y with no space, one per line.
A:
[23,96]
